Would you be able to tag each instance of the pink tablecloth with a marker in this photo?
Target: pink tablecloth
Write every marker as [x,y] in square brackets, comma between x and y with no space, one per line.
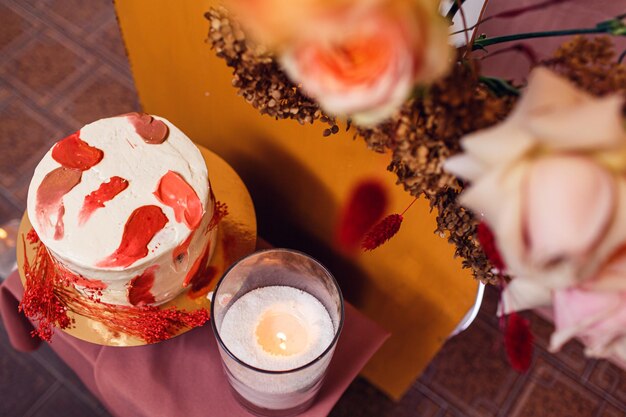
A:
[182,376]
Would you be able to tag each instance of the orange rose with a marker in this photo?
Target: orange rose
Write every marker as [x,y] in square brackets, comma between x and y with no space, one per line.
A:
[365,63]
[277,22]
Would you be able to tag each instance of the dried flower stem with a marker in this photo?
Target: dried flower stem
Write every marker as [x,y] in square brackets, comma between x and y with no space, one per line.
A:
[454,8]
[409,206]
[507,14]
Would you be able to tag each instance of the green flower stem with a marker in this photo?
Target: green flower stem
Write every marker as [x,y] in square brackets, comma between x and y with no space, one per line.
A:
[482,42]
[612,27]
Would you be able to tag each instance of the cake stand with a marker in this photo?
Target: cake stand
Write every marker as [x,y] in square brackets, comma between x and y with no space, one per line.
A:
[236,237]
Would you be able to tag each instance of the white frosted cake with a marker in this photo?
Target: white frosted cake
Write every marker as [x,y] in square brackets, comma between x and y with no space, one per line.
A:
[124,206]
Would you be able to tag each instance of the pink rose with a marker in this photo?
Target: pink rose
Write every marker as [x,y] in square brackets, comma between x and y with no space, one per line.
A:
[598,318]
[550,181]
[365,63]
[594,311]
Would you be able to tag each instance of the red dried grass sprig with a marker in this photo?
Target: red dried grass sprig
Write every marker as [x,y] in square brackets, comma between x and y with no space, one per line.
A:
[488,242]
[365,207]
[149,323]
[41,301]
[384,230]
[49,297]
[518,342]
[32,236]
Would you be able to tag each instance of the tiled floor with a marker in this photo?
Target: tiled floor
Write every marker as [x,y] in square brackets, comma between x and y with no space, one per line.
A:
[63,64]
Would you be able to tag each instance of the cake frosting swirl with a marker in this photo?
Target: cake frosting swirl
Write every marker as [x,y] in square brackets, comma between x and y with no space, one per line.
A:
[125,206]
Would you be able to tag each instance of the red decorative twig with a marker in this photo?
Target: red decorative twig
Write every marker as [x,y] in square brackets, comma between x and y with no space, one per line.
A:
[382,232]
[488,242]
[518,342]
[220,210]
[41,301]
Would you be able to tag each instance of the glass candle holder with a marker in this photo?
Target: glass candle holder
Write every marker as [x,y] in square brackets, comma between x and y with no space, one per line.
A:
[277,315]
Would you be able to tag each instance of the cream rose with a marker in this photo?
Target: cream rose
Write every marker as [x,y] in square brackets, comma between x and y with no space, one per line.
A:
[550,181]
[365,63]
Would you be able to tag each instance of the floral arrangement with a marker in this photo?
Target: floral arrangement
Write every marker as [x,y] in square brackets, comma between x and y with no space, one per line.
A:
[527,181]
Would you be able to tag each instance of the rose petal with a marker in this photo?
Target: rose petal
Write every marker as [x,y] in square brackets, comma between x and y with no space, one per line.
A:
[569,320]
[612,241]
[587,314]
[612,275]
[594,124]
[546,91]
[368,101]
[368,70]
[497,197]
[569,203]
[523,294]
[498,145]
[437,58]
[465,166]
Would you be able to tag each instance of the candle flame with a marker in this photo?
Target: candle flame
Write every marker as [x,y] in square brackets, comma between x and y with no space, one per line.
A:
[281,333]
[283,339]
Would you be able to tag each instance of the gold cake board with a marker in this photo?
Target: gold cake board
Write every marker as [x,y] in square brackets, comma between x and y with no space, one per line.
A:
[236,237]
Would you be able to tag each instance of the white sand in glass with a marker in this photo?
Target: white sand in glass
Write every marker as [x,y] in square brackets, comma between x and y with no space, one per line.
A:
[277,328]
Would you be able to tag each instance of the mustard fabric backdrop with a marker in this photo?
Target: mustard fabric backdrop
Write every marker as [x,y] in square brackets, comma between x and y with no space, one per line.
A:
[298,179]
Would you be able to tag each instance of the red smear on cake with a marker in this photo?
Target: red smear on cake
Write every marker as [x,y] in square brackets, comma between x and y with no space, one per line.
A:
[95,200]
[203,275]
[139,230]
[50,193]
[182,248]
[140,286]
[92,284]
[199,266]
[73,152]
[59,228]
[151,130]
[175,192]
[200,284]
[71,277]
